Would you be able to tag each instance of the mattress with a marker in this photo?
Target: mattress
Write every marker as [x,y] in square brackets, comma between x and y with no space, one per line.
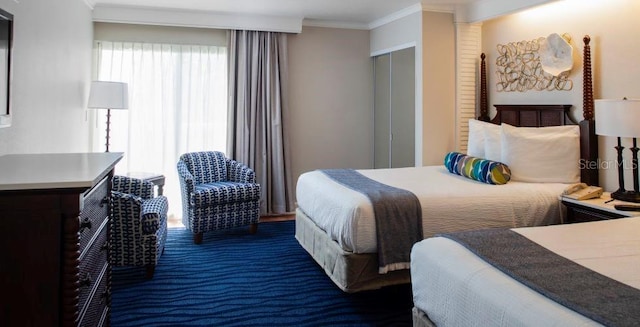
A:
[449,203]
[454,287]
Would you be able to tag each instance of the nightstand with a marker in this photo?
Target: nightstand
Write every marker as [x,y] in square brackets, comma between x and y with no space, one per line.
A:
[594,209]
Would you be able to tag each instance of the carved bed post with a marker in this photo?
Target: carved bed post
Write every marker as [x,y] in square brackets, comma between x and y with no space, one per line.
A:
[587,84]
[589,142]
[484,106]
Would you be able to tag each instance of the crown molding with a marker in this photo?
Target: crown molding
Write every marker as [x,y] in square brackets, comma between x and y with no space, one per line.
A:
[395,16]
[200,19]
[487,9]
[470,13]
[334,24]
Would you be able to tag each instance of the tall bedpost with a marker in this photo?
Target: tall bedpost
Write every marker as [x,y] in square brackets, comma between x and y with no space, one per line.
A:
[587,84]
[589,140]
[484,105]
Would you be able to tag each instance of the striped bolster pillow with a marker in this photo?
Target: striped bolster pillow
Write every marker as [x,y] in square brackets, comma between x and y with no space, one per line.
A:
[482,170]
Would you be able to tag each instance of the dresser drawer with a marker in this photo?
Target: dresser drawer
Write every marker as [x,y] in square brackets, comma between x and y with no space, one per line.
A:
[96,311]
[95,211]
[92,262]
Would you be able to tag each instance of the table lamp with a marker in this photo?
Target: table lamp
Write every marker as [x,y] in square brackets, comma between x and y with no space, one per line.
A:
[108,95]
[621,118]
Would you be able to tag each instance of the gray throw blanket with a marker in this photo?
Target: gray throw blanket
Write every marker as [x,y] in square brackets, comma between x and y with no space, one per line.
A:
[580,289]
[398,217]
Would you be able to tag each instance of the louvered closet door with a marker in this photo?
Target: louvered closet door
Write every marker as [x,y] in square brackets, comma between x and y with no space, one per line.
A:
[394,109]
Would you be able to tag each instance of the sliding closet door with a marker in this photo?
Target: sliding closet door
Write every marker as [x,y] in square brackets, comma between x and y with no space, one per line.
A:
[382,113]
[403,108]
[394,109]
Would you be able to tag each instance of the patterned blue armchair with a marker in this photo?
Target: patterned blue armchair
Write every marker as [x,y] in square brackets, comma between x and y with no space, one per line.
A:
[138,224]
[217,193]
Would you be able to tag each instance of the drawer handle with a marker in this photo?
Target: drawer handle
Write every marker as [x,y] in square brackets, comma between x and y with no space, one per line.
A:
[86,223]
[104,201]
[86,280]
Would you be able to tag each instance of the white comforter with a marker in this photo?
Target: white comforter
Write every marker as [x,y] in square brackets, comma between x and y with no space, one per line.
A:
[449,203]
[457,288]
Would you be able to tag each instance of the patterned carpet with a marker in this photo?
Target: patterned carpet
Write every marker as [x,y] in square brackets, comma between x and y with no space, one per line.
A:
[237,279]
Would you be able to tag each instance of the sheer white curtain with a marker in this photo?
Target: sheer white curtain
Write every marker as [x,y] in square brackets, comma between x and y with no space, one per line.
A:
[177,104]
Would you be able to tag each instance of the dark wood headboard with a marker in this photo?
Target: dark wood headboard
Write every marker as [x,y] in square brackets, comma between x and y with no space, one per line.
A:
[536,115]
[533,115]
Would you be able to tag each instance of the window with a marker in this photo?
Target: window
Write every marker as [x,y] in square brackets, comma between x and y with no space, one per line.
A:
[177,104]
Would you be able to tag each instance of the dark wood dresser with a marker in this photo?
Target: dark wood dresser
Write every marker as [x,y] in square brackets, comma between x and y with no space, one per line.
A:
[54,218]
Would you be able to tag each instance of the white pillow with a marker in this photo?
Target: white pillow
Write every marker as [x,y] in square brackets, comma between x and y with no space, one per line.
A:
[542,154]
[476,141]
[493,143]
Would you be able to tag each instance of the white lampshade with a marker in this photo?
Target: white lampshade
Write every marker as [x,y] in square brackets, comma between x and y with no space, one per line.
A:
[109,95]
[619,118]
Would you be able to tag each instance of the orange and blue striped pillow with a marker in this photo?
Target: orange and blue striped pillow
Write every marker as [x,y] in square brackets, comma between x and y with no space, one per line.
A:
[482,170]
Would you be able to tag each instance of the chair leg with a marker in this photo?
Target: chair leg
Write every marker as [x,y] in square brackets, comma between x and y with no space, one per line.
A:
[197,238]
[150,270]
[253,228]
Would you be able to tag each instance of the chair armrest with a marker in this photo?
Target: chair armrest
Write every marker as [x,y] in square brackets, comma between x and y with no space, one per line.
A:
[186,178]
[125,209]
[239,172]
[153,214]
[183,171]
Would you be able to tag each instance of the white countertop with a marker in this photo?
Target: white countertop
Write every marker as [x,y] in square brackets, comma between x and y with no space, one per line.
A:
[54,170]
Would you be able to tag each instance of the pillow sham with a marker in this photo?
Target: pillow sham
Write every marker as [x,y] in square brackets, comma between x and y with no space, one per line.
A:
[475,140]
[476,145]
[542,154]
[493,143]
[482,170]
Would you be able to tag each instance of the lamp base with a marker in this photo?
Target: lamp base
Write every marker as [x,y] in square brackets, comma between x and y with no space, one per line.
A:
[628,196]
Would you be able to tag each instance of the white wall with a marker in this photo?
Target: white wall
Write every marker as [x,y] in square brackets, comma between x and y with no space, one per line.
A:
[51,74]
[613,26]
[330,99]
[398,34]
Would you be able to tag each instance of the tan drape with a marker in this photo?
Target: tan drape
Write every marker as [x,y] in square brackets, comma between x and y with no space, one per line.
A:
[258,111]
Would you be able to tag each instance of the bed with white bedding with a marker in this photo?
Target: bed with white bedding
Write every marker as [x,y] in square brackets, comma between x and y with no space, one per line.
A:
[335,224]
[449,203]
[452,286]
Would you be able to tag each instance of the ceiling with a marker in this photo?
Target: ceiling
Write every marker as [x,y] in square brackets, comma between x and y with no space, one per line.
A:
[344,11]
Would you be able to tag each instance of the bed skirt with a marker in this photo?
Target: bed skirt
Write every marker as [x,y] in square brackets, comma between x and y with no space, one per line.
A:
[420,319]
[351,272]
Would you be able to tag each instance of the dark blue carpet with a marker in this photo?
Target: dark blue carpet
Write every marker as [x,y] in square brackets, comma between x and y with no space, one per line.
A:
[237,279]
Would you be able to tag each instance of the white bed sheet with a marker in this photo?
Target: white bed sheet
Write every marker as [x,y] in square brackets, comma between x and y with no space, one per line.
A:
[449,203]
[454,287]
